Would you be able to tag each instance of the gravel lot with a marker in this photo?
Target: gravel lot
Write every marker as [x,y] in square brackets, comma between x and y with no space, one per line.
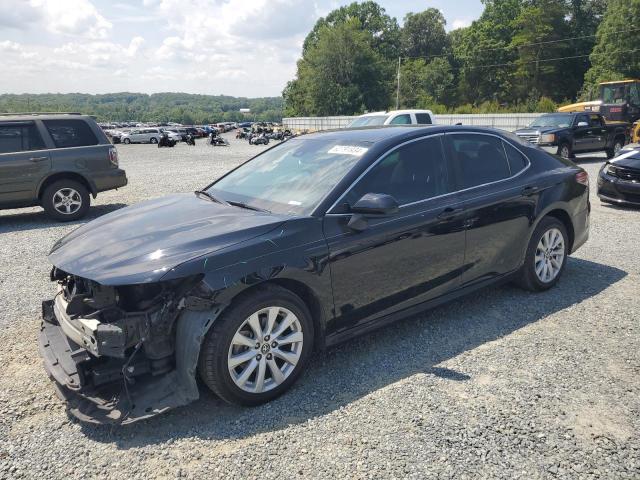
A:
[503,384]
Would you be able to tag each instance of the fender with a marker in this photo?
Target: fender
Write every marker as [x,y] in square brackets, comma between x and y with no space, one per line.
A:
[62,174]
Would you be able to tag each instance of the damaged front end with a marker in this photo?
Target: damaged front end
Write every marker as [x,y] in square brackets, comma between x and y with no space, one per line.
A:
[118,354]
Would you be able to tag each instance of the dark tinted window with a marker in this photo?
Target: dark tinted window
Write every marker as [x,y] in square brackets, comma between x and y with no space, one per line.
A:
[479,159]
[401,120]
[423,119]
[20,138]
[596,121]
[517,161]
[414,172]
[582,118]
[70,133]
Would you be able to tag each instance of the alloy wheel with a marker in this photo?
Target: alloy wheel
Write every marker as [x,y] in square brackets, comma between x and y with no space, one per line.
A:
[67,201]
[549,256]
[265,349]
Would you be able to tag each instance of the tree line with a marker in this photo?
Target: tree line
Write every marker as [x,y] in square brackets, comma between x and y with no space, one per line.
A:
[184,108]
[519,56]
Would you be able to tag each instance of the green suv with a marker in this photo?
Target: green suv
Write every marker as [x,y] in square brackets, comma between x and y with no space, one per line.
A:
[56,161]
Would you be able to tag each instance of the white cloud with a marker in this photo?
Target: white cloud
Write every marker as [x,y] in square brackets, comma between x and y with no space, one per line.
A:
[460,23]
[73,17]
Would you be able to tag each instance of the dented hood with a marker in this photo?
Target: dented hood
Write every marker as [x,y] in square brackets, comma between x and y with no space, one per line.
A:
[139,244]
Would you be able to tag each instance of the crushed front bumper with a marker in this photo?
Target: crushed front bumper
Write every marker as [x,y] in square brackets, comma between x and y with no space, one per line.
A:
[97,392]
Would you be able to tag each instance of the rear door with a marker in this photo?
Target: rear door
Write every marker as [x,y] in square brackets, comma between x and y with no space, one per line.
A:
[497,203]
[24,161]
[77,147]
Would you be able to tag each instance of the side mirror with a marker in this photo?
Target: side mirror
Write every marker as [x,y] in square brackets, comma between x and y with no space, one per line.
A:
[583,124]
[376,204]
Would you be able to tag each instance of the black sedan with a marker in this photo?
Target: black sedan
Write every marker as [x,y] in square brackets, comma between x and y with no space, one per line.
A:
[619,179]
[312,242]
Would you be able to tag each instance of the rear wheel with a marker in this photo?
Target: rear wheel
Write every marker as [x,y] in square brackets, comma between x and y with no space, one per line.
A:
[66,200]
[126,141]
[153,140]
[546,256]
[257,349]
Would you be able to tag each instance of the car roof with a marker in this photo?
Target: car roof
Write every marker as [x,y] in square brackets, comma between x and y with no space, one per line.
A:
[396,112]
[392,132]
[12,117]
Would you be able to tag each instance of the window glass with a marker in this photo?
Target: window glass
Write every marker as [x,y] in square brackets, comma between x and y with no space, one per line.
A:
[416,171]
[401,120]
[423,119]
[70,133]
[20,138]
[479,159]
[292,177]
[596,121]
[582,118]
[517,161]
[634,95]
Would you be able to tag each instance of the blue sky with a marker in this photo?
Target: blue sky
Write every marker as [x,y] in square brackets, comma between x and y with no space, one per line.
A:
[233,47]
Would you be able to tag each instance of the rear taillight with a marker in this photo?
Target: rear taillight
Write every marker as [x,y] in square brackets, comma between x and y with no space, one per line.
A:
[583,178]
[113,157]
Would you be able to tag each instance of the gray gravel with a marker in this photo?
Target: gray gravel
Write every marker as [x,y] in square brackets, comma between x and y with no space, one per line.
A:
[502,384]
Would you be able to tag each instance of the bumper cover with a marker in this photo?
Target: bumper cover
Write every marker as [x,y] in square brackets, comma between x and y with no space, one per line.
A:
[614,190]
[110,179]
[124,401]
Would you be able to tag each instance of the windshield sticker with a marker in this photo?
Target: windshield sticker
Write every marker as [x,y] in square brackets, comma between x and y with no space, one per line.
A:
[348,150]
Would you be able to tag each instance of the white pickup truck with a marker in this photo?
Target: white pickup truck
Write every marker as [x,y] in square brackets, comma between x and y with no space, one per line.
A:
[396,117]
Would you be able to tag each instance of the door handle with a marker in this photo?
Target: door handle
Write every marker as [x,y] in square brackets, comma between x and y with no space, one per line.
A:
[38,159]
[531,190]
[449,213]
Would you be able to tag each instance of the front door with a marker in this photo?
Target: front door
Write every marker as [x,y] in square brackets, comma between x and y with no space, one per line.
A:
[24,161]
[582,134]
[403,259]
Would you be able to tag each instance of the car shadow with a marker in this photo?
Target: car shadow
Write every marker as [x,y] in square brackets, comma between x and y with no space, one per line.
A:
[35,220]
[346,373]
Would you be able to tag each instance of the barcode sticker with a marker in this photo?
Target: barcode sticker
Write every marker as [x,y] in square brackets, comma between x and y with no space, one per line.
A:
[348,150]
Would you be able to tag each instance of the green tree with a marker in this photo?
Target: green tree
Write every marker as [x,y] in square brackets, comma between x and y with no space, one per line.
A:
[538,30]
[341,74]
[610,59]
[425,84]
[423,34]
[383,30]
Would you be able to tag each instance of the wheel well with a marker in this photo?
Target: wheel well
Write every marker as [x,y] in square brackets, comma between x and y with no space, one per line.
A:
[65,175]
[306,295]
[564,217]
[620,137]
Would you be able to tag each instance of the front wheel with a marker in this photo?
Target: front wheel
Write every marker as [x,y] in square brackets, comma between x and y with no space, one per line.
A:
[546,256]
[153,140]
[126,141]
[257,349]
[615,149]
[564,151]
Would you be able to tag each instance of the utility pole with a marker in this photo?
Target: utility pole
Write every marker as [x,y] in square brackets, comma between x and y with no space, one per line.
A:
[398,90]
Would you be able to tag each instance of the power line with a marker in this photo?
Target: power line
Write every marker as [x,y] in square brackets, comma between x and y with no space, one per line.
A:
[513,47]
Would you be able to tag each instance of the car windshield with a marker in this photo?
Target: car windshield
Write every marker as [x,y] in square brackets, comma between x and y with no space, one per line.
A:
[560,121]
[291,178]
[613,94]
[369,121]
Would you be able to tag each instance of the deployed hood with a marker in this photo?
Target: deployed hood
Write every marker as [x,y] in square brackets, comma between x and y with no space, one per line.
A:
[139,244]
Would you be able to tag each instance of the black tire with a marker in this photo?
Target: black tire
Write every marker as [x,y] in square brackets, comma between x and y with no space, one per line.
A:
[527,277]
[48,202]
[617,146]
[565,151]
[213,360]
[126,141]
[153,140]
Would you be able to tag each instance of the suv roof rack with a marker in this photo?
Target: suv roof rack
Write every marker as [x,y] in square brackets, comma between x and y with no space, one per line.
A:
[38,113]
